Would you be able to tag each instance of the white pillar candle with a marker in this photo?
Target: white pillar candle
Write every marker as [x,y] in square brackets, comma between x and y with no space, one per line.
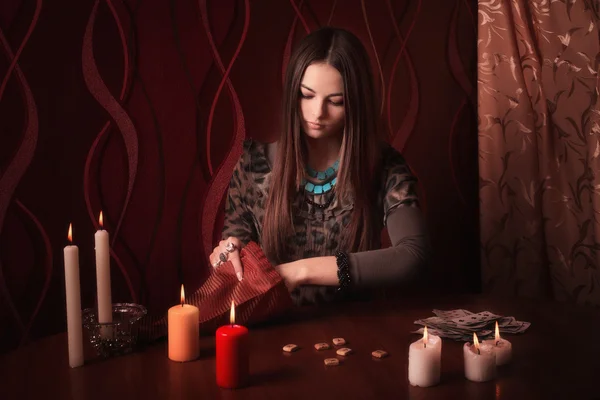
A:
[425,360]
[480,361]
[502,347]
[73,297]
[103,275]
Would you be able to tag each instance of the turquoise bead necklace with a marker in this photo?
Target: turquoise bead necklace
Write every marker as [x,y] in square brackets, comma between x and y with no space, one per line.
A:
[322,176]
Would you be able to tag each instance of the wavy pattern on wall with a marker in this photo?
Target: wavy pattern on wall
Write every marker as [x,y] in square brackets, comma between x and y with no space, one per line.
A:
[16,168]
[375,52]
[298,12]
[164,94]
[461,76]
[400,137]
[287,53]
[100,91]
[220,182]
[409,120]
[47,263]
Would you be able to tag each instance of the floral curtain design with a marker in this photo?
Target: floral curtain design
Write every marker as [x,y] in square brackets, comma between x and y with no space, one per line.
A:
[539,148]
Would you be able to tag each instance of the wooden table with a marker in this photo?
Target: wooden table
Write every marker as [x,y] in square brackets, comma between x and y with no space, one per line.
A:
[558,358]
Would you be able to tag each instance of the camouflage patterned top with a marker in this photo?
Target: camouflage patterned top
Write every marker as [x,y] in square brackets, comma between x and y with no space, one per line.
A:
[318,229]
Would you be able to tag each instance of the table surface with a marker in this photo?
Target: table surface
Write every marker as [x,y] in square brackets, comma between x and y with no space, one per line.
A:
[557,357]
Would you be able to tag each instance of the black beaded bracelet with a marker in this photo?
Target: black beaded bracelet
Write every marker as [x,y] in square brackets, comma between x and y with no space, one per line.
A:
[343,272]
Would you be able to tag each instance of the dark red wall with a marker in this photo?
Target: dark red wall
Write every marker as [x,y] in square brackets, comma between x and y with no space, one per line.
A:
[134,107]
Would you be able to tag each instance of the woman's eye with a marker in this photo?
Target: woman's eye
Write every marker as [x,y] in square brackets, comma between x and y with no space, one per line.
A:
[306,96]
[337,103]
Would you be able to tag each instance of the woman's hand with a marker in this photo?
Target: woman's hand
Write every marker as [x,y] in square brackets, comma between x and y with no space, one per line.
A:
[292,274]
[309,271]
[228,250]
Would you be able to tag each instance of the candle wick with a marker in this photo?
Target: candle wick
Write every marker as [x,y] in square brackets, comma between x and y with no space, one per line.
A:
[424,345]
[497,343]
[478,351]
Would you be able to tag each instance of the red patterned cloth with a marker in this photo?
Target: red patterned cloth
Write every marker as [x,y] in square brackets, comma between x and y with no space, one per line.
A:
[260,295]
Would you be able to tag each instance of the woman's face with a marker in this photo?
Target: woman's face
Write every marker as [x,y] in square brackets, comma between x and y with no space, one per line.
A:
[322,101]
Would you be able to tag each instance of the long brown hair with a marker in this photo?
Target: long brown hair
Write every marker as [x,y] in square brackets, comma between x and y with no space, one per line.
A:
[359,159]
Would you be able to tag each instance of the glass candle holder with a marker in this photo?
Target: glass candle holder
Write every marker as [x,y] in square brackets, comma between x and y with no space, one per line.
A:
[119,336]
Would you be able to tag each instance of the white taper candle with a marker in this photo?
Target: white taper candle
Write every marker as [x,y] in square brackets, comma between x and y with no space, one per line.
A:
[103,274]
[73,299]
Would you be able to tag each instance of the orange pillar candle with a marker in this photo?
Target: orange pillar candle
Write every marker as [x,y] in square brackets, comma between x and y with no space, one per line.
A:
[184,331]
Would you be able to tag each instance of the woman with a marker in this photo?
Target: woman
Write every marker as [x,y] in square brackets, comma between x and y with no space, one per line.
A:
[317,200]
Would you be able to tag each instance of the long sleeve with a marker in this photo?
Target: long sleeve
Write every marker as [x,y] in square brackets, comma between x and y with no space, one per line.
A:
[400,263]
[239,221]
[410,250]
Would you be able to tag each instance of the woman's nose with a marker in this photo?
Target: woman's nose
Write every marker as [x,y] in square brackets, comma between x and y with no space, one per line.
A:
[319,110]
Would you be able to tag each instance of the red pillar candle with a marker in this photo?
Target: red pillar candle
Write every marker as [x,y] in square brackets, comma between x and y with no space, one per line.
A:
[232,354]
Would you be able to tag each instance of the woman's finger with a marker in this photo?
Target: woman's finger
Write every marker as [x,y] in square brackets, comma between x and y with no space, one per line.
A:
[228,250]
[214,258]
[237,264]
[235,241]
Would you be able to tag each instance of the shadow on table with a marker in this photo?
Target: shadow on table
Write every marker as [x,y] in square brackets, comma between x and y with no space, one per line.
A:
[356,306]
[270,376]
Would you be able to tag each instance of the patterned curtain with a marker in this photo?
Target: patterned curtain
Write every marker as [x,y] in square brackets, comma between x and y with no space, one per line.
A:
[539,148]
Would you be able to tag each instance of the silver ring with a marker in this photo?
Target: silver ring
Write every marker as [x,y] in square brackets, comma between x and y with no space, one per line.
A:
[230,247]
[223,257]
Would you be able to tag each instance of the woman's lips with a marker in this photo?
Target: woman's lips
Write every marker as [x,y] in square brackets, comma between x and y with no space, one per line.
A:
[313,125]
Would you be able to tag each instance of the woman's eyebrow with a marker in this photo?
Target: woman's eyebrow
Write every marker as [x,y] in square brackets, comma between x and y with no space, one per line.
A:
[331,95]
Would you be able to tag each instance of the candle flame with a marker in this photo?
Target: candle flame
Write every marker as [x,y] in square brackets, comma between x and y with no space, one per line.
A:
[425,336]
[475,341]
[182,296]
[232,313]
[70,234]
[101,220]
[497,332]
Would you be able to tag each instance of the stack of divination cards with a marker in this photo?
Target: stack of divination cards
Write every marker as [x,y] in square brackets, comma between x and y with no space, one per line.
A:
[460,324]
